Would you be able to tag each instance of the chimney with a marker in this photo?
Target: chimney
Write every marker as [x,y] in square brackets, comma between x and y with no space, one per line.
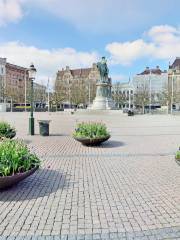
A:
[67,68]
[147,68]
[157,67]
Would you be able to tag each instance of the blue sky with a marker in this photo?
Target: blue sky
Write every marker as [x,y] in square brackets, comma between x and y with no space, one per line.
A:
[132,34]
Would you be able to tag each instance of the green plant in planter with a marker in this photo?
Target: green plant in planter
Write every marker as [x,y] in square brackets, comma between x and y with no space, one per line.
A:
[6,131]
[178,155]
[15,157]
[91,130]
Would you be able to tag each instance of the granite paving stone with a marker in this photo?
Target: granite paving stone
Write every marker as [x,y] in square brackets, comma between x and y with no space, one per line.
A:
[128,188]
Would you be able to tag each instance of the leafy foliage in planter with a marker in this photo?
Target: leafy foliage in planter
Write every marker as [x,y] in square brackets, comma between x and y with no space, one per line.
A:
[91,130]
[6,130]
[178,155]
[15,157]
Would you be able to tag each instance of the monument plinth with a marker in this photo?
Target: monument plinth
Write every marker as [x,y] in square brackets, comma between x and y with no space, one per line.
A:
[103,99]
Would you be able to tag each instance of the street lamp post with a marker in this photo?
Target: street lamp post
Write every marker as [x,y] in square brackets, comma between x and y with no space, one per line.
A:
[32,74]
[89,94]
[25,89]
[11,103]
[129,99]
[69,94]
[48,96]
[150,100]
[172,92]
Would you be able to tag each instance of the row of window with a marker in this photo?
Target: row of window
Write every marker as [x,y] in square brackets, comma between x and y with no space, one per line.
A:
[123,92]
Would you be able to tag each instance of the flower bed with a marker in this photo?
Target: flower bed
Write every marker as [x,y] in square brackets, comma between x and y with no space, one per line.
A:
[91,133]
[16,162]
[177,157]
[6,131]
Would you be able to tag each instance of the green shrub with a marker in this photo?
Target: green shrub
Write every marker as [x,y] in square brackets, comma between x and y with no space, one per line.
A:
[91,130]
[178,155]
[15,157]
[6,130]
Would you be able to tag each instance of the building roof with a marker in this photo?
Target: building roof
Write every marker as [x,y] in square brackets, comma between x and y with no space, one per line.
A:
[176,63]
[16,66]
[81,72]
[156,70]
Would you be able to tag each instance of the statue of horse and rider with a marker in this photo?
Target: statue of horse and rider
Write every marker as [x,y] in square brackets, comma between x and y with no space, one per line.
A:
[103,70]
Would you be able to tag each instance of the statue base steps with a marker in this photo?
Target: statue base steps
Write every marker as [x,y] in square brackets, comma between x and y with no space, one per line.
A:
[103,103]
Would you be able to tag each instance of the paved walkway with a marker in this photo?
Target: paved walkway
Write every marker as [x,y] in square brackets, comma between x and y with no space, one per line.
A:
[129,188]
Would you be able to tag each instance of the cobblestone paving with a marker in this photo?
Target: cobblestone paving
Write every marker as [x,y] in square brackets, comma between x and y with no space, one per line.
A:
[129,188]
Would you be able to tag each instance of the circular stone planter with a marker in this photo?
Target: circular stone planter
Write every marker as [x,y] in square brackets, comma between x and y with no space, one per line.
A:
[11,134]
[177,161]
[92,142]
[9,181]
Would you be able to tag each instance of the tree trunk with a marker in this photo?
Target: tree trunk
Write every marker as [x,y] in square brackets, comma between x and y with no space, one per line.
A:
[143,109]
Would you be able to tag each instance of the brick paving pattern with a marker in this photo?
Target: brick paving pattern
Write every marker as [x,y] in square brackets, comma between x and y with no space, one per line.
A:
[128,188]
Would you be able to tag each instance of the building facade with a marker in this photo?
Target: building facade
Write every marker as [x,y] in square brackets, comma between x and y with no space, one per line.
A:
[40,95]
[12,81]
[2,77]
[156,79]
[174,84]
[76,86]
[122,94]
[150,87]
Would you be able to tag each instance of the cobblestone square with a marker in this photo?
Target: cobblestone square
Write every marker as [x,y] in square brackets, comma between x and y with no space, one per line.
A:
[128,188]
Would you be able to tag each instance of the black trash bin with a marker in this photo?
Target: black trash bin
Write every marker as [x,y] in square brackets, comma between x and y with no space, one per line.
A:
[130,113]
[44,127]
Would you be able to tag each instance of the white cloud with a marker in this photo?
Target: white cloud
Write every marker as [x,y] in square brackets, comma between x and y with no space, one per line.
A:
[10,11]
[125,53]
[102,16]
[160,42]
[47,62]
[107,16]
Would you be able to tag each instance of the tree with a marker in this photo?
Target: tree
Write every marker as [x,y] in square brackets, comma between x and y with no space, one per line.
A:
[165,96]
[79,93]
[60,93]
[141,96]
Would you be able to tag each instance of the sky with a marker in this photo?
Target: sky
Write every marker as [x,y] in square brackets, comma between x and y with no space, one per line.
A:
[53,34]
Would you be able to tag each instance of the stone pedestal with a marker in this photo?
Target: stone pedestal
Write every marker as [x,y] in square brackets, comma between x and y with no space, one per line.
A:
[3,107]
[103,100]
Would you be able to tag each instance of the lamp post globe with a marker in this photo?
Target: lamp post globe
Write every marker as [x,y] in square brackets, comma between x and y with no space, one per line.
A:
[32,73]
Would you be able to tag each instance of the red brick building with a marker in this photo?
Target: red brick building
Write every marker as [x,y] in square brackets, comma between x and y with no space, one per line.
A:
[12,81]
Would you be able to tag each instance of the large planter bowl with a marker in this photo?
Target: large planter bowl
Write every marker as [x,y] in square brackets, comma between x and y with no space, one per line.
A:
[92,142]
[11,134]
[177,160]
[9,181]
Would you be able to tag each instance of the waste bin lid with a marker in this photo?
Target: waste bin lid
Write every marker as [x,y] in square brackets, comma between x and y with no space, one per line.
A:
[44,121]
